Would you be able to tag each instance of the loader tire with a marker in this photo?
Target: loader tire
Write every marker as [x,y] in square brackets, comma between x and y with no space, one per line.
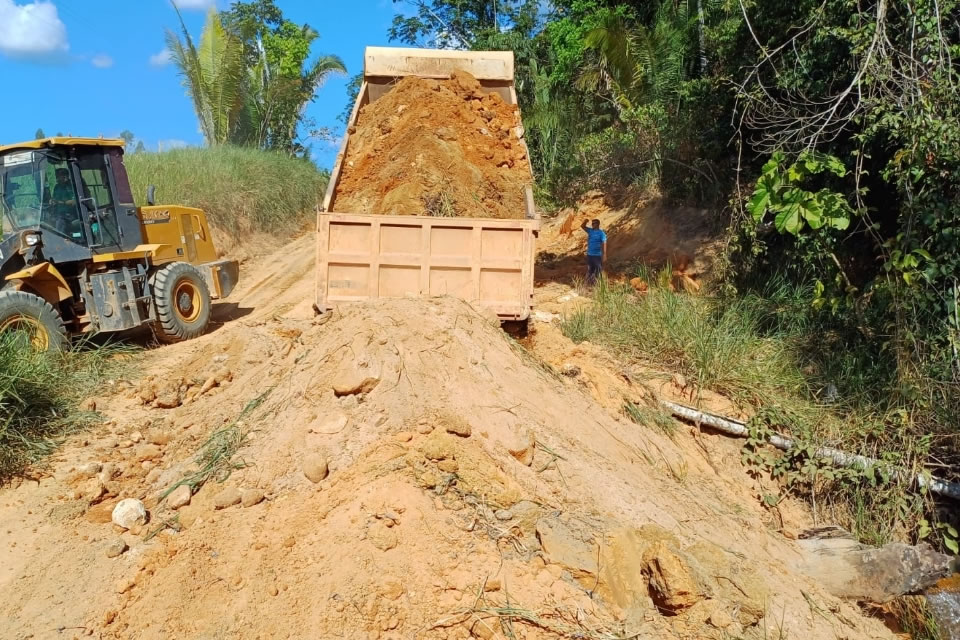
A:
[34,317]
[182,299]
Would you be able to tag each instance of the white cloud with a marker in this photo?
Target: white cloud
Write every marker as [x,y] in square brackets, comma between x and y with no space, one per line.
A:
[160,59]
[32,30]
[102,61]
[195,4]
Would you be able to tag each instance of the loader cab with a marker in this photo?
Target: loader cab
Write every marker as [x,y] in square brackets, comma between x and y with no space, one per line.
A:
[74,192]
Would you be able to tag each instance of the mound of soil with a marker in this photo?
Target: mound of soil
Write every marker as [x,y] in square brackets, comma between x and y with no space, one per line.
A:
[436,147]
[408,472]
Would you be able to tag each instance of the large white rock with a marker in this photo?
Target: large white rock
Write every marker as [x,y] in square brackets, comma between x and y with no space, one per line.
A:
[129,513]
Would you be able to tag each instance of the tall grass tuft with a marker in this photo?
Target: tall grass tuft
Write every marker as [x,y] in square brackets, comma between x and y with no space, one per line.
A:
[240,189]
[719,347]
[39,398]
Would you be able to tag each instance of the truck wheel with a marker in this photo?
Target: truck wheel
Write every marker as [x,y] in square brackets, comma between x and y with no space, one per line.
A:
[183,302]
[35,318]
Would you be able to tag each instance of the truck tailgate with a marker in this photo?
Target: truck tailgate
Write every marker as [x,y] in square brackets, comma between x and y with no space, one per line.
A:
[484,261]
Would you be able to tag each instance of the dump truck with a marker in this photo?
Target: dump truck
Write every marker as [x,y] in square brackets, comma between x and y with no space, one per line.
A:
[77,256]
[367,255]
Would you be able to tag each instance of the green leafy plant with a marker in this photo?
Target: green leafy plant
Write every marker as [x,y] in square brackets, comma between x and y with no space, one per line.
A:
[780,192]
[948,533]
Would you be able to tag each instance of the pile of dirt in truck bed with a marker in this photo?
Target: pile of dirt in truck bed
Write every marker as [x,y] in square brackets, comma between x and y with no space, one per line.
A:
[404,471]
[436,147]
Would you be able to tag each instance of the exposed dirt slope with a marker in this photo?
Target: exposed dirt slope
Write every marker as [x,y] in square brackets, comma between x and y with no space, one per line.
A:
[651,232]
[464,477]
[436,147]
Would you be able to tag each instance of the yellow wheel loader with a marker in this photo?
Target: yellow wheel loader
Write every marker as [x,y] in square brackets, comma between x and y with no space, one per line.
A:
[78,256]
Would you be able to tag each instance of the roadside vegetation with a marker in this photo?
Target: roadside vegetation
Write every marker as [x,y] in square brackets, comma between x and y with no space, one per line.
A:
[40,397]
[825,134]
[241,189]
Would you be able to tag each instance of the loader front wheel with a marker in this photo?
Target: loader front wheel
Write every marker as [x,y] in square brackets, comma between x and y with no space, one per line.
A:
[182,300]
[34,318]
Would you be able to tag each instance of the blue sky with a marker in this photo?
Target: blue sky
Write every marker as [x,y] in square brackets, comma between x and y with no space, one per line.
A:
[92,67]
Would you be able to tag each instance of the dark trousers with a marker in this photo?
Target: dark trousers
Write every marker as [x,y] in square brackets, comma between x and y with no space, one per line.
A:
[594,268]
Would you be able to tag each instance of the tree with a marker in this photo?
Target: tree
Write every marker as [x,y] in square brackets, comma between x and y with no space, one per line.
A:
[127,137]
[283,83]
[39,134]
[251,78]
[458,24]
[215,76]
[140,148]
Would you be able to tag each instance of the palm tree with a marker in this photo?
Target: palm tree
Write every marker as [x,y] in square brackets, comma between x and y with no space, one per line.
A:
[215,76]
[640,64]
[280,92]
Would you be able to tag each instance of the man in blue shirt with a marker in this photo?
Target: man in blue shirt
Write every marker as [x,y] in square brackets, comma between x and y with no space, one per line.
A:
[596,250]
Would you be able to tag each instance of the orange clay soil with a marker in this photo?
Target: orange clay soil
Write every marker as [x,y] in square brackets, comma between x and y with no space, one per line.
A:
[442,148]
[410,473]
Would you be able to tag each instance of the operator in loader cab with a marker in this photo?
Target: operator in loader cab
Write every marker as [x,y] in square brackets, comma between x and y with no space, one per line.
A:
[64,201]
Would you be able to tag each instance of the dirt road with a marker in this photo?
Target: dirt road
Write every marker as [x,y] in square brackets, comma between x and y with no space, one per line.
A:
[408,472]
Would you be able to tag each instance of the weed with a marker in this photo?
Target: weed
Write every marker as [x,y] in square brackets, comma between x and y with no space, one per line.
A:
[216,456]
[440,204]
[40,396]
[650,416]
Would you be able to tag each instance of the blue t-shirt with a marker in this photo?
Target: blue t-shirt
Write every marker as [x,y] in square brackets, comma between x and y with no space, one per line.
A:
[596,238]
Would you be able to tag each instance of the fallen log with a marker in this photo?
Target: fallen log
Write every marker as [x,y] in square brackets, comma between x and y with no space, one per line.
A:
[838,457]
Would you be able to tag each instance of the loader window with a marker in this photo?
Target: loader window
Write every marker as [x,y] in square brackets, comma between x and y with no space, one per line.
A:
[38,191]
[96,191]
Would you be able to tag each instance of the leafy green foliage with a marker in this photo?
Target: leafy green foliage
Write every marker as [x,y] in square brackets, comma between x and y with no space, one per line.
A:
[214,75]
[779,192]
[251,76]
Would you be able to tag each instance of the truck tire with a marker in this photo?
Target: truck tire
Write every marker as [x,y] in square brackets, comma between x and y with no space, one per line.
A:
[38,319]
[182,299]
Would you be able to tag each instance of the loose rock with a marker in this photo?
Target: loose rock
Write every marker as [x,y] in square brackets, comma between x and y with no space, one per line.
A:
[167,400]
[227,498]
[672,584]
[91,469]
[148,452]
[382,537]
[570,370]
[159,437]
[315,467]
[448,466]
[116,547]
[124,584]
[179,497]
[129,513]
[355,378]
[251,497]
[523,447]
[458,426]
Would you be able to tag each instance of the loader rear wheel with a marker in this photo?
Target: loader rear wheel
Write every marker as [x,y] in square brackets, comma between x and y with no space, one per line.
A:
[183,302]
[34,318]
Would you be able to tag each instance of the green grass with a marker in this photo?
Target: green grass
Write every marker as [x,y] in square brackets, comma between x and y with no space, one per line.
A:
[716,346]
[240,189]
[773,356]
[40,397]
